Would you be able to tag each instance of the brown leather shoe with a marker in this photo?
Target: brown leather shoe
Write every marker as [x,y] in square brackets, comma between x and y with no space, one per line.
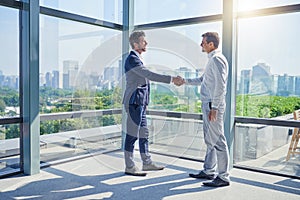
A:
[203,175]
[217,182]
[134,171]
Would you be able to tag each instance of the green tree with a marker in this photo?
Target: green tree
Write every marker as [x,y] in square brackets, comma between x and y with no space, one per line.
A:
[2,105]
[265,106]
[12,131]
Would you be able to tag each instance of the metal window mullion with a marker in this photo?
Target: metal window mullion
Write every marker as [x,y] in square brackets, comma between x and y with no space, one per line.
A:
[29,64]
[79,18]
[227,49]
[180,22]
[11,4]
[128,25]
[269,11]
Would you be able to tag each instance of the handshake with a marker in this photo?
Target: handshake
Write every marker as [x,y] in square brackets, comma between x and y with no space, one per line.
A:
[178,80]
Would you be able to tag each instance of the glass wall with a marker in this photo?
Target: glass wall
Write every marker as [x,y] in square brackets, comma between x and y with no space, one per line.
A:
[9,90]
[265,148]
[177,51]
[80,72]
[177,137]
[245,5]
[159,11]
[268,66]
[9,63]
[268,77]
[110,11]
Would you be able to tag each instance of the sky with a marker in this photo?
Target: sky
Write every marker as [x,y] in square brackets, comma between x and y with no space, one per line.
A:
[273,40]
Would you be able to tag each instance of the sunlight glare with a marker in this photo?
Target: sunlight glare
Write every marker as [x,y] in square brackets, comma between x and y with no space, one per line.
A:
[246,5]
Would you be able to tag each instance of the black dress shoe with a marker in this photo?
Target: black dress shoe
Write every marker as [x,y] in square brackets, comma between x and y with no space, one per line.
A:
[217,182]
[202,175]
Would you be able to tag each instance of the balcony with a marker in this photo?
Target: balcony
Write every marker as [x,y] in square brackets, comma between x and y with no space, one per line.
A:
[88,163]
[173,134]
[102,177]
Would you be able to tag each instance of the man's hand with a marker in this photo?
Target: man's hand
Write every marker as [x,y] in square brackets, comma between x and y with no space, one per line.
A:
[212,115]
[178,80]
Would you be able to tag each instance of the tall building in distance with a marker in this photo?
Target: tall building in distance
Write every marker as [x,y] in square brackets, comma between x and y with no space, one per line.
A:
[286,85]
[186,72]
[111,74]
[55,79]
[261,82]
[70,71]
[244,85]
[120,70]
[42,79]
[48,79]
[2,77]
[297,85]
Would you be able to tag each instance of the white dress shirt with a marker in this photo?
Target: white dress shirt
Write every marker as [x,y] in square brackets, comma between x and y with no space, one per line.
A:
[214,79]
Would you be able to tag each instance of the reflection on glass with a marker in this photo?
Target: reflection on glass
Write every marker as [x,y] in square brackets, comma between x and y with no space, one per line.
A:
[67,138]
[246,5]
[9,90]
[265,147]
[268,73]
[177,51]
[158,11]
[77,57]
[9,148]
[101,9]
[80,72]
[177,137]
[9,63]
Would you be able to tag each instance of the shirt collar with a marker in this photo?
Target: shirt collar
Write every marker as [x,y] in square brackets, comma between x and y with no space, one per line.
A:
[213,53]
[139,55]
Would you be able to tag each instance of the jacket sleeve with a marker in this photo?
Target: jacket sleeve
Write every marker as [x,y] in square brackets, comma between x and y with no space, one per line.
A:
[140,70]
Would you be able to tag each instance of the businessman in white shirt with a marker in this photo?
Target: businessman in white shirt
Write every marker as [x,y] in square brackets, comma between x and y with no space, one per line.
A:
[212,94]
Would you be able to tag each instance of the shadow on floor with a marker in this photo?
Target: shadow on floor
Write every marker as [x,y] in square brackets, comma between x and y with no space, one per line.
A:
[70,186]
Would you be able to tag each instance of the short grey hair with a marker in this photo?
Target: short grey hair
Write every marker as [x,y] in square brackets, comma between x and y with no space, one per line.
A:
[135,37]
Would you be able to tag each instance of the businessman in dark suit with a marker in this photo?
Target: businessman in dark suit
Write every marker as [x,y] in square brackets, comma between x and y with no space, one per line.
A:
[136,99]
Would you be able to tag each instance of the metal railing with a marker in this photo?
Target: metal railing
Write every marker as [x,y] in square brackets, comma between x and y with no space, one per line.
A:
[195,116]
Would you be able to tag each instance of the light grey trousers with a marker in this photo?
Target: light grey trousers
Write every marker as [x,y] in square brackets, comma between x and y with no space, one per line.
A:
[217,155]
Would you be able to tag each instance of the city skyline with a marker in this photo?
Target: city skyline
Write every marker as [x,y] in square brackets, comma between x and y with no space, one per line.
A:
[258,80]
[259,40]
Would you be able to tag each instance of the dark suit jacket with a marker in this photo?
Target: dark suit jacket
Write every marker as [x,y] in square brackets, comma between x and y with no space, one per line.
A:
[137,81]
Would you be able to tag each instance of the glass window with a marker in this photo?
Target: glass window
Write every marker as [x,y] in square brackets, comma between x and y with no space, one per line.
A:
[265,147]
[71,47]
[176,51]
[158,11]
[9,62]
[80,70]
[178,137]
[268,66]
[101,9]
[245,5]
[9,89]
[9,148]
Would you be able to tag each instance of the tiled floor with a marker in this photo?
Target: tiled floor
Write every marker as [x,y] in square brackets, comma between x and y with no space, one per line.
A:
[102,177]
